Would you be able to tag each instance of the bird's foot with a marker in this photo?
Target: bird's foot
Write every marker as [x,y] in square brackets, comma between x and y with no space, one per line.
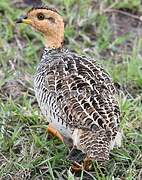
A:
[76,167]
[86,165]
[54,132]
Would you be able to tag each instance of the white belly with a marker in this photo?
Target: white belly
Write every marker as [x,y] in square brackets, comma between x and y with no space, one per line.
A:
[52,117]
[66,132]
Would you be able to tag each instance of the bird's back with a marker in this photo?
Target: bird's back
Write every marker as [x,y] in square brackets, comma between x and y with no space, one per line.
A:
[75,93]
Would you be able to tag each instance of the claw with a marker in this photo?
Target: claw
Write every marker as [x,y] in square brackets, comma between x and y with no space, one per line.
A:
[76,167]
[86,165]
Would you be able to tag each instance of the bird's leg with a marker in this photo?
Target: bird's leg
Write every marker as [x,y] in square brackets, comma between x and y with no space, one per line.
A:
[77,157]
[76,167]
[87,164]
[54,132]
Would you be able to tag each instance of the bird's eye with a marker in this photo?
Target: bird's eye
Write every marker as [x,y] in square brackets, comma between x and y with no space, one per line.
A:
[40,16]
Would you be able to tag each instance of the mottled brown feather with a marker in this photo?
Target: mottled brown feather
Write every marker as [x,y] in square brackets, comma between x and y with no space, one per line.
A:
[83,97]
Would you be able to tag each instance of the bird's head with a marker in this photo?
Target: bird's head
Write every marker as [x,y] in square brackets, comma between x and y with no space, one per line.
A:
[49,22]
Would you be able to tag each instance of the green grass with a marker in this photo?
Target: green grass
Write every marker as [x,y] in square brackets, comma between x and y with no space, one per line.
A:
[26,150]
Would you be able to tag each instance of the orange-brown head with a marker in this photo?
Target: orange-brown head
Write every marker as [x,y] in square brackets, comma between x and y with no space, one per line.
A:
[49,22]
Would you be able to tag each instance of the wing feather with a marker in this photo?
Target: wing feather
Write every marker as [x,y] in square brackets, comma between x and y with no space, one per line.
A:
[83,93]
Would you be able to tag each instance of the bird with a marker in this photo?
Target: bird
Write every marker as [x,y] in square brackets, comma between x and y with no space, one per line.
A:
[75,94]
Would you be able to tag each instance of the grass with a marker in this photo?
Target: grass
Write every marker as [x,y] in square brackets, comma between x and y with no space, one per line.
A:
[26,150]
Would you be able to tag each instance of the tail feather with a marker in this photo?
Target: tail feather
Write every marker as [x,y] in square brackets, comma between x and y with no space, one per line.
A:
[95,144]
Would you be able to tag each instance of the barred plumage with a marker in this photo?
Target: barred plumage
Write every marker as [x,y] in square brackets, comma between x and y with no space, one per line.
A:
[74,93]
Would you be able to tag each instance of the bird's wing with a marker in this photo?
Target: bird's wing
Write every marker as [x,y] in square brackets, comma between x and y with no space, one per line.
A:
[83,93]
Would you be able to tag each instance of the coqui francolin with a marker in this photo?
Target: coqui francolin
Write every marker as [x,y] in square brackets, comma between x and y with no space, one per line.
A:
[76,96]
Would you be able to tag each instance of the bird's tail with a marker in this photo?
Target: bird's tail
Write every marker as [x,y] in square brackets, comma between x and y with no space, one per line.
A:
[95,144]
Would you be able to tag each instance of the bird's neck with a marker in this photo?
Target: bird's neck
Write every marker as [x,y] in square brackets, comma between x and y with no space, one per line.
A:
[54,41]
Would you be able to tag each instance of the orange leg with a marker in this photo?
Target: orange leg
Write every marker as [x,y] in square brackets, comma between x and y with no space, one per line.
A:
[54,132]
[86,165]
[76,167]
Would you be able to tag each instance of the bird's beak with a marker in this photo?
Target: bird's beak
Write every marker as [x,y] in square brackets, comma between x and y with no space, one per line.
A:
[24,19]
